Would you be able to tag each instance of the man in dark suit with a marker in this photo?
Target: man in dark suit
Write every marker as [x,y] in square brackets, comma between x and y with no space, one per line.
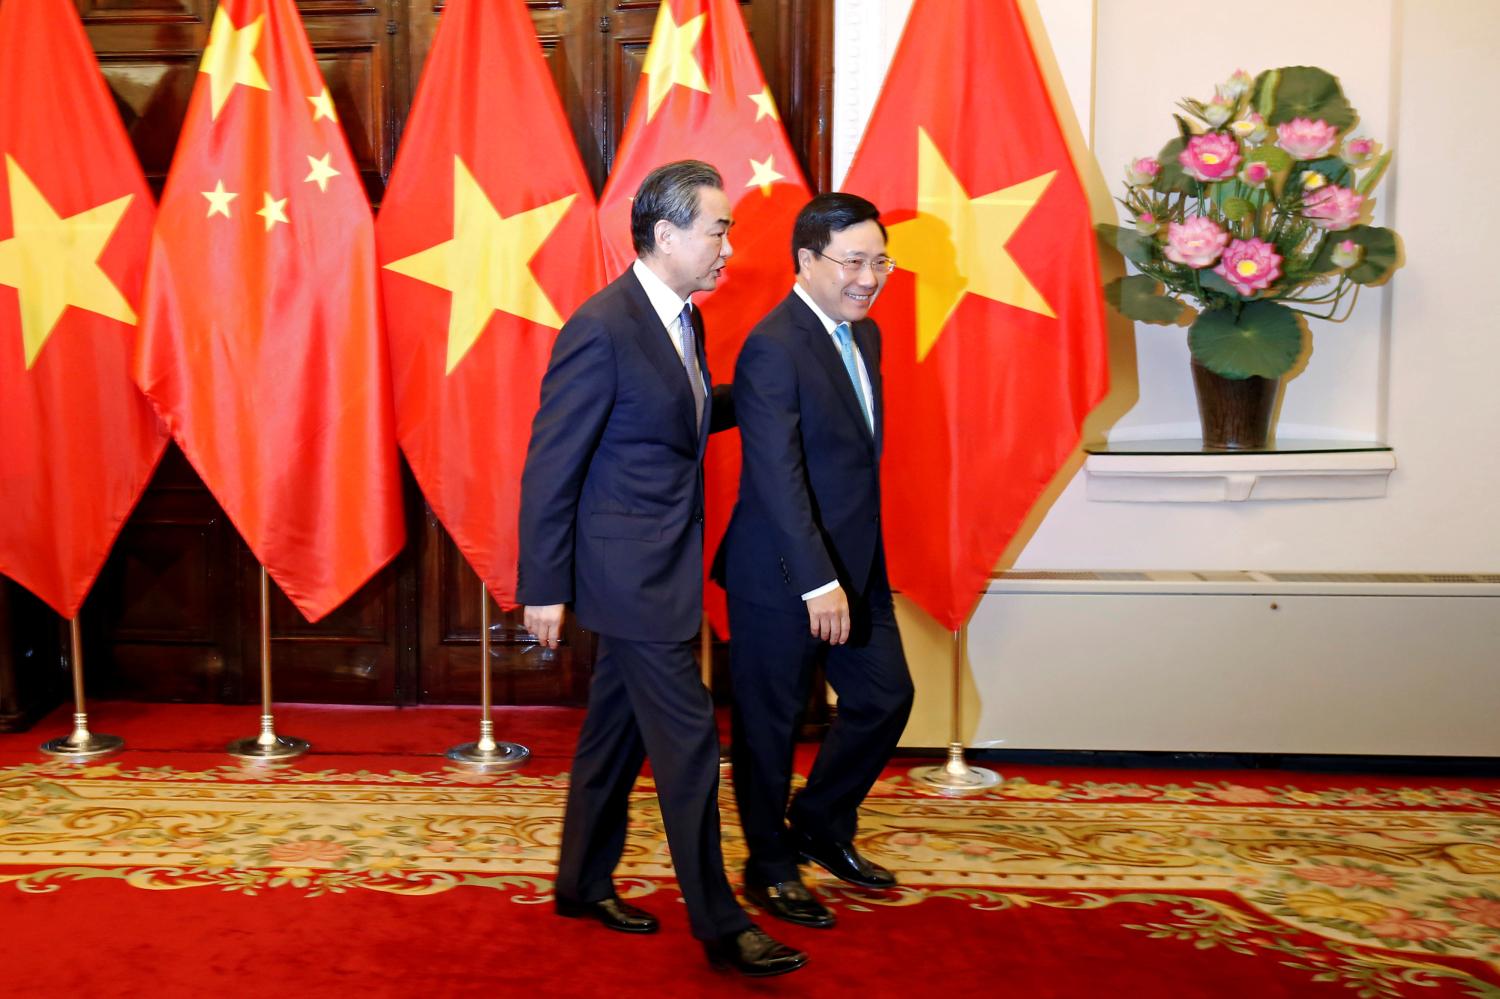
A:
[804,563]
[612,522]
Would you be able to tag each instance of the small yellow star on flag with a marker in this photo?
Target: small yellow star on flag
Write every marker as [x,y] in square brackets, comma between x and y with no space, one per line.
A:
[765,105]
[53,262]
[670,59]
[322,105]
[764,174]
[322,171]
[218,200]
[274,211]
[956,244]
[486,265]
[230,59]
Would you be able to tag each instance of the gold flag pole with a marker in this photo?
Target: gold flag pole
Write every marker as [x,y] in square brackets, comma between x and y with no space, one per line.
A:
[268,745]
[487,754]
[956,777]
[81,744]
[706,664]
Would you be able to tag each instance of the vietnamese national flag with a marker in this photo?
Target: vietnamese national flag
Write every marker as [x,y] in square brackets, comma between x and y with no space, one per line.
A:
[488,241]
[994,338]
[78,441]
[702,96]
[261,342]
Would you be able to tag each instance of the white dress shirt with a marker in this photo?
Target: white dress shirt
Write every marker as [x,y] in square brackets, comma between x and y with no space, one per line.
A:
[667,306]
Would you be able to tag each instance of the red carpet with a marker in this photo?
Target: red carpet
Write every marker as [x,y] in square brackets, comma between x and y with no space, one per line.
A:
[370,867]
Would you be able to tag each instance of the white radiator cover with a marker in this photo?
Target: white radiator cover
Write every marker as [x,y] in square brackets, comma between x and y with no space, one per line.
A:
[1254,662]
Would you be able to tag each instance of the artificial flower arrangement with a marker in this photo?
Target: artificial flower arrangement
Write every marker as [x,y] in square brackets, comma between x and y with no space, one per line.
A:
[1254,214]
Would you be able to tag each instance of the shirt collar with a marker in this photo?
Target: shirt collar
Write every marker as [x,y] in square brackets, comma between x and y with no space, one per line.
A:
[664,300]
[828,324]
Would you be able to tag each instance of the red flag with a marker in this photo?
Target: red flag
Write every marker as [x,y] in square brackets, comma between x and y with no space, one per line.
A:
[488,244]
[702,96]
[78,441]
[261,342]
[993,323]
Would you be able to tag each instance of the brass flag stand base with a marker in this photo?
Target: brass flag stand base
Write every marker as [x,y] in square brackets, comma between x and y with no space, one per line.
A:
[956,778]
[487,754]
[268,746]
[82,744]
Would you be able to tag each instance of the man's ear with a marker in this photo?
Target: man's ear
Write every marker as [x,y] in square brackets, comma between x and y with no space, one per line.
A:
[666,235]
[804,258]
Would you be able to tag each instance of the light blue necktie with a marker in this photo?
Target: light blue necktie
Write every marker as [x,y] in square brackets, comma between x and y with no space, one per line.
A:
[690,362]
[851,363]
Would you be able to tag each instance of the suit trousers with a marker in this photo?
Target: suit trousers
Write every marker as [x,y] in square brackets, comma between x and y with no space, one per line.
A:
[772,656]
[648,700]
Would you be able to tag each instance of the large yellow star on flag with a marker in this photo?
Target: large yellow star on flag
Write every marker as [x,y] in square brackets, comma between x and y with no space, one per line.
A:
[763,175]
[765,105]
[956,244]
[486,265]
[53,262]
[230,58]
[671,58]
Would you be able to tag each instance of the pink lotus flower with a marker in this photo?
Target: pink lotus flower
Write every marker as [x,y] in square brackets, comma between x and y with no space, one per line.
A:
[1211,156]
[1333,207]
[1195,243]
[1250,265]
[1484,911]
[1358,152]
[1140,172]
[1250,129]
[1344,876]
[1306,139]
[1346,254]
[1256,174]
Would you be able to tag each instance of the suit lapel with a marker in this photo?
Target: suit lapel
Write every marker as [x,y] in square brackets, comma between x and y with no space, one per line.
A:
[823,348]
[656,344]
[707,386]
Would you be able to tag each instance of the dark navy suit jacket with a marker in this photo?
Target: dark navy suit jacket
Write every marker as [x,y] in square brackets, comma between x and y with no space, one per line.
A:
[809,501]
[612,492]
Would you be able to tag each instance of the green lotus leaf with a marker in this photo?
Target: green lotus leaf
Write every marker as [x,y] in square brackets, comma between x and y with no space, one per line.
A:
[1172,176]
[1236,208]
[1129,243]
[1215,284]
[1140,297]
[1382,253]
[1309,92]
[1265,339]
[1275,157]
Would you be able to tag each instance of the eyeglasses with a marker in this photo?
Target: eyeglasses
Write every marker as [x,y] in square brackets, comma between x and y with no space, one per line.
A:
[852,266]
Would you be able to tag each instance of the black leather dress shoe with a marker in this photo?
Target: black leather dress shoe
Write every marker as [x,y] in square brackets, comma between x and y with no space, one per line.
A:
[752,952]
[790,900]
[612,912]
[843,861]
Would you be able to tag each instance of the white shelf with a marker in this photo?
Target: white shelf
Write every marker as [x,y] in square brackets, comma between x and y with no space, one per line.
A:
[1158,472]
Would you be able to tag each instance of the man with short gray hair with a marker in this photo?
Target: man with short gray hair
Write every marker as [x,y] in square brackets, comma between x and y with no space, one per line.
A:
[612,522]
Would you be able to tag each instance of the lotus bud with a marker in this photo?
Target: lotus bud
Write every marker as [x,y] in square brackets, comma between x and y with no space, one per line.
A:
[1251,129]
[1256,174]
[1359,151]
[1219,110]
[1142,172]
[1237,86]
[1346,254]
[1146,224]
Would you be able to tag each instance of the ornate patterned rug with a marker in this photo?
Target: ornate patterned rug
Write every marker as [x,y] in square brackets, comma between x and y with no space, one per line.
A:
[1295,885]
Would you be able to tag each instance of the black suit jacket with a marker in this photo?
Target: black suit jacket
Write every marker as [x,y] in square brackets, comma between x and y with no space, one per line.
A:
[612,492]
[809,501]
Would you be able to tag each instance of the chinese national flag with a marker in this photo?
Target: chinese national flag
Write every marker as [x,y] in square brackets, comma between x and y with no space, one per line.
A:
[78,441]
[488,242]
[261,342]
[702,96]
[994,338]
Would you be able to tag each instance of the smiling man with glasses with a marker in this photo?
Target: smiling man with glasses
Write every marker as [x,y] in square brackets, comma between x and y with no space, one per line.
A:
[804,563]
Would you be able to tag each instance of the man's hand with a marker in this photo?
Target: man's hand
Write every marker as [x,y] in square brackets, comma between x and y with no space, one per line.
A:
[828,616]
[545,623]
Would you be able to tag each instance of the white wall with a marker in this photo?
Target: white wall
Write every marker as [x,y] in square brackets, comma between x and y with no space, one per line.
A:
[1416,363]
